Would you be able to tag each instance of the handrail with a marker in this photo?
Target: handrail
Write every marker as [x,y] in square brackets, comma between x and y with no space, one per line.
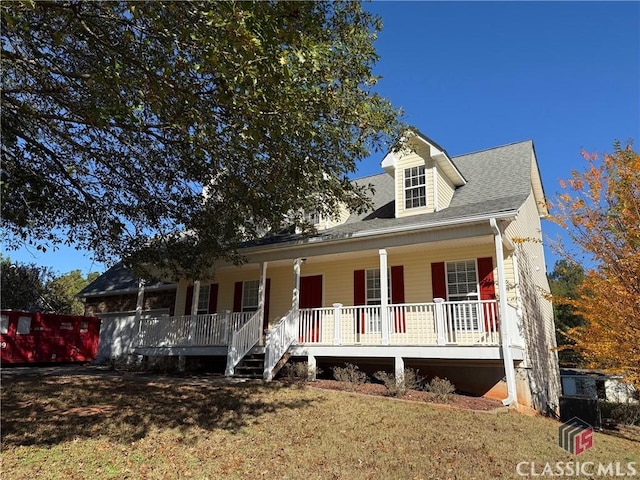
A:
[242,340]
[278,341]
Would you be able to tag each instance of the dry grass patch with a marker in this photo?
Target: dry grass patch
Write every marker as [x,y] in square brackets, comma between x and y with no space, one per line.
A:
[170,429]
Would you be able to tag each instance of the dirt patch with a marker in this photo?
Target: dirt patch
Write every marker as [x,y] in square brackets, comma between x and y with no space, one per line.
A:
[457,401]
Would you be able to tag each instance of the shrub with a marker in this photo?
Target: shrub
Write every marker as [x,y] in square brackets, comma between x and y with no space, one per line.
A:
[412,381]
[621,413]
[441,388]
[297,371]
[350,375]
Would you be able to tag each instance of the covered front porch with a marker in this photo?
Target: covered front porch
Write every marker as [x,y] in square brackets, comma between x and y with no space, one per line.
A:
[439,329]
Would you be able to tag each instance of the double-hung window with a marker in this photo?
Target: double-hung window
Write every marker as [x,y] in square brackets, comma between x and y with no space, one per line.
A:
[374,297]
[462,286]
[203,300]
[250,295]
[415,189]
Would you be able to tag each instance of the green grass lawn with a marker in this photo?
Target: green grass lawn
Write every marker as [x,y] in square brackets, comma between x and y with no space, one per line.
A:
[115,426]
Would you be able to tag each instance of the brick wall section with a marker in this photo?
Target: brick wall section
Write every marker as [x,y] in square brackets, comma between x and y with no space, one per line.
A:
[127,302]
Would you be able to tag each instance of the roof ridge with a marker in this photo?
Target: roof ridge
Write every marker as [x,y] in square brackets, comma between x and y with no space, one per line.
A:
[492,148]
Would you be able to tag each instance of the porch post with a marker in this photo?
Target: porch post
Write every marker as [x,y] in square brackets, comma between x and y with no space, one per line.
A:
[295,299]
[399,370]
[384,299]
[441,326]
[262,289]
[195,299]
[509,369]
[312,367]
[139,308]
[337,325]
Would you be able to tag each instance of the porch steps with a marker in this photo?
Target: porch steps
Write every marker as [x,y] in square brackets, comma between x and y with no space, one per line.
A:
[251,366]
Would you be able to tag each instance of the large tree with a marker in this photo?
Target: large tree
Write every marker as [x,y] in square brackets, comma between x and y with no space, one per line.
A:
[601,211]
[24,285]
[118,115]
[565,281]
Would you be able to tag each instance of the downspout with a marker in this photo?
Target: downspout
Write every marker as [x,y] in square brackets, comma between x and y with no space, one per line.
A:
[509,370]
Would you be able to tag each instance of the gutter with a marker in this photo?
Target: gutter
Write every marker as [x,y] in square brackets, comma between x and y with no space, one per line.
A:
[125,291]
[509,369]
[381,231]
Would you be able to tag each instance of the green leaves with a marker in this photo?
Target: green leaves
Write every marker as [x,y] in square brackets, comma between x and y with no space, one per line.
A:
[124,112]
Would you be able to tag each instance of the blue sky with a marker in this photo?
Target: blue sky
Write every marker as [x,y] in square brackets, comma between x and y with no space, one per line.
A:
[475,75]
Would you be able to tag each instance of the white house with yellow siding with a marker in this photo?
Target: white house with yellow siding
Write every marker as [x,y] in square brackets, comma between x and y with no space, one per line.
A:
[446,274]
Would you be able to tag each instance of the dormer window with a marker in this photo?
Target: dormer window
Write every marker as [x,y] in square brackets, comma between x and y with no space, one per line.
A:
[415,194]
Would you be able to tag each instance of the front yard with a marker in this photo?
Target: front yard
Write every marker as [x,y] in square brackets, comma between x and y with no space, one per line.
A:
[130,426]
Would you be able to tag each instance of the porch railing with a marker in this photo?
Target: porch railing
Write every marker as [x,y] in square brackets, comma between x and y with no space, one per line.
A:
[278,341]
[443,323]
[243,340]
[190,330]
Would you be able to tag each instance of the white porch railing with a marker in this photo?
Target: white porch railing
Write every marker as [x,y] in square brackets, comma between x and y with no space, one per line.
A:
[278,341]
[190,330]
[444,323]
[243,340]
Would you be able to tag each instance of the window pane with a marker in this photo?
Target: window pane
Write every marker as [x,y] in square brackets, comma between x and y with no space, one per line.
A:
[203,300]
[4,323]
[250,296]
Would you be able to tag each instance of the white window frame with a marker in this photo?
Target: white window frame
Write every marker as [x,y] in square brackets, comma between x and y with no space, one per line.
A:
[415,187]
[248,287]
[374,320]
[470,314]
[203,300]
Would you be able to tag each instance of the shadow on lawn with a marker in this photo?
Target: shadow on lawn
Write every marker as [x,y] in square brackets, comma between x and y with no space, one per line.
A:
[48,410]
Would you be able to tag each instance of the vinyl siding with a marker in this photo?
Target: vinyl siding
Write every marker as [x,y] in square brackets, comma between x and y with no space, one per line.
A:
[445,190]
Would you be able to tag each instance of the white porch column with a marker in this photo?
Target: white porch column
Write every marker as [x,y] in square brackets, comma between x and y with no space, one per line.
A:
[441,324]
[509,369]
[399,370]
[312,367]
[384,299]
[337,324]
[295,299]
[195,299]
[139,309]
[262,291]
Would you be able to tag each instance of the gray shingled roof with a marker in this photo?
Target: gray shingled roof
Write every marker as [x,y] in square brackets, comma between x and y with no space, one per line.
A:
[498,181]
[118,279]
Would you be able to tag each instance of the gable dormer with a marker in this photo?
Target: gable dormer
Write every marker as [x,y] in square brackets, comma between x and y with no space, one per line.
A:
[424,175]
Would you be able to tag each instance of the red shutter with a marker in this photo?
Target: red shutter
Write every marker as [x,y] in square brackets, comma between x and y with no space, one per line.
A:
[237,297]
[267,294]
[485,274]
[189,300]
[359,295]
[438,280]
[213,298]
[487,292]
[397,297]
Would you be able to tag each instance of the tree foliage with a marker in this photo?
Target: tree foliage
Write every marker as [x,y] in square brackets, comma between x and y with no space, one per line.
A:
[29,287]
[564,281]
[23,285]
[118,115]
[601,210]
[62,291]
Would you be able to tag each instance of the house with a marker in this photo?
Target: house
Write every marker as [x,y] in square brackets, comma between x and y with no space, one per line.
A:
[443,274]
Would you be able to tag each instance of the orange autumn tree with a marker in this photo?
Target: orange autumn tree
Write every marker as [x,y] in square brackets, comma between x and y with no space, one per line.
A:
[600,209]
